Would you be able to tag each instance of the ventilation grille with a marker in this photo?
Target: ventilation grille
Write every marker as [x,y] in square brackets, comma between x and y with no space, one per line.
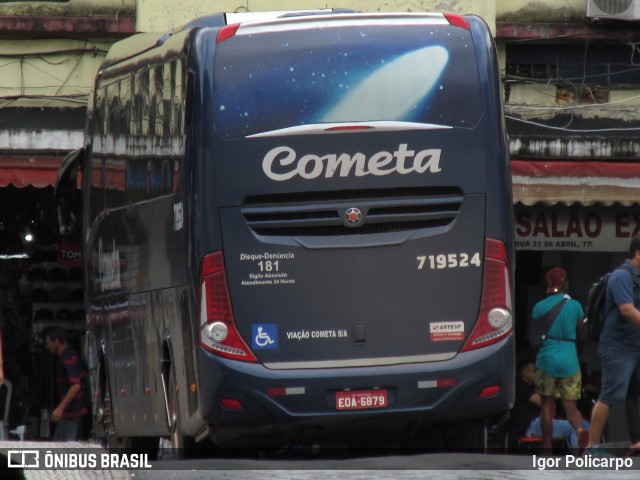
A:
[329,219]
[614,9]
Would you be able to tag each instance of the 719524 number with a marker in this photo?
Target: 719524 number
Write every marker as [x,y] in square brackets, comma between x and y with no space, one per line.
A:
[448,260]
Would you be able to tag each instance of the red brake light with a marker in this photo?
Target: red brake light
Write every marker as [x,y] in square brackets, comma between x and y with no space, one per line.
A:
[211,264]
[217,298]
[348,128]
[227,32]
[218,331]
[457,20]
[495,320]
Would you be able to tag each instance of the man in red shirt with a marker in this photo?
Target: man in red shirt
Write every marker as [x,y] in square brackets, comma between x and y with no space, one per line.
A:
[70,376]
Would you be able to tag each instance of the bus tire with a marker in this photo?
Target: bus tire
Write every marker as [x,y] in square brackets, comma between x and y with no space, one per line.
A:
[470,437]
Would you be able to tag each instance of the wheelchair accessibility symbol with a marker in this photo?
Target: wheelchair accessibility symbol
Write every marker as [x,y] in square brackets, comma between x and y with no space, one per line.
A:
[264,336]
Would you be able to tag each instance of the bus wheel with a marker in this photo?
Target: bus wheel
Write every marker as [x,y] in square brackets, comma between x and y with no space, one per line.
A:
[471,437]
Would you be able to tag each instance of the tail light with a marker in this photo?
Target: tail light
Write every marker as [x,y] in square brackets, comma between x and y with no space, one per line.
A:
[227,32]
[218,331]
[495,321]
[457,20]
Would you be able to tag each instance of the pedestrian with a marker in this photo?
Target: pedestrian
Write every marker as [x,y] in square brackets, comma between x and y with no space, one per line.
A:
[557,366]
[526,409]
[1,362]
[70,376]
[633,415]
[1,351]
[618,344]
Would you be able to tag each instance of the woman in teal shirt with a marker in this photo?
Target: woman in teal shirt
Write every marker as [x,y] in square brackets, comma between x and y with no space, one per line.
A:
[557,365]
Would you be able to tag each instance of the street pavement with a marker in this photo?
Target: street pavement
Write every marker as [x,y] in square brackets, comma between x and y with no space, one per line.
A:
[438,466]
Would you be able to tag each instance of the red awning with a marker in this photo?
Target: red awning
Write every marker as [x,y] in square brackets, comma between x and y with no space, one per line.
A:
[23,171]
[534,181]
[570,182]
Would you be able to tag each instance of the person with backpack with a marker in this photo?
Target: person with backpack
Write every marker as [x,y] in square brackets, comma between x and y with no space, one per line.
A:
[70,376]
[558,370]
[618,346]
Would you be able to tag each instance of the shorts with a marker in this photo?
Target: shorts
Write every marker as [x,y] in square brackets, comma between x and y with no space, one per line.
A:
[617,370]
[567,388]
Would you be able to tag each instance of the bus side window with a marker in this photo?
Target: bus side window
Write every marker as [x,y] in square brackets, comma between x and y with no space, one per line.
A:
[188,101]
[68,196]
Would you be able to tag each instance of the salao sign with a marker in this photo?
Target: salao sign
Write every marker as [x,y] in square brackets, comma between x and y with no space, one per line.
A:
[579,228]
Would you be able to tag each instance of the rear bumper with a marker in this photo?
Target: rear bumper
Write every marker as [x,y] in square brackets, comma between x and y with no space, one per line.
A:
[307,397]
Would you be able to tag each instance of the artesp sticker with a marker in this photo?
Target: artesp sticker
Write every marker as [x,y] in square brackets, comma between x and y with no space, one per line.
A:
[446,331]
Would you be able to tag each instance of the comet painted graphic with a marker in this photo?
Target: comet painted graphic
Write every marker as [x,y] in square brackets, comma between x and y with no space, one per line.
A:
[294,81]
[372,99]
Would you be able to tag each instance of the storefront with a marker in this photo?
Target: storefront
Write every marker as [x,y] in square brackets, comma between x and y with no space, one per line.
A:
[40,285]
[579,215]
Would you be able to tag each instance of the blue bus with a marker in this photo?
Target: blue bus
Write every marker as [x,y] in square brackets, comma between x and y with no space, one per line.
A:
[297,225]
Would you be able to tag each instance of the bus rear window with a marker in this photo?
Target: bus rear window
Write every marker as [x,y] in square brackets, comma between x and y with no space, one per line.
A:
[282,79]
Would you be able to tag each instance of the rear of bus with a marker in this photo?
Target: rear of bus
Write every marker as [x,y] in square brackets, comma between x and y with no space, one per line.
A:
[354,224]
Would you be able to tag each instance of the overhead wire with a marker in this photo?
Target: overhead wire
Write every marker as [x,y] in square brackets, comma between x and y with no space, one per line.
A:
[75,54]
[581,88]
[570,130]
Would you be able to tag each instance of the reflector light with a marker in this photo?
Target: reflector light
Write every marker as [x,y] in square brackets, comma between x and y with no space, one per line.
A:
[282,391]
[457,20]
[439,383]
[276,391]
[491,391]
[446,382]
[231,404]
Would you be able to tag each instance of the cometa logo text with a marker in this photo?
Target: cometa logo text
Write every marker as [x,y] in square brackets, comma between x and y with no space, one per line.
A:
[282,163]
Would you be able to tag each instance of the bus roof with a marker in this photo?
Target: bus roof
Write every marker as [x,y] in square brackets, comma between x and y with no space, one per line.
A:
[255,22]
[141,42]
[357,18]
[244,17]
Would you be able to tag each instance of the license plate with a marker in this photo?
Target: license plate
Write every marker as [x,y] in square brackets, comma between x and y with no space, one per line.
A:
[361,399]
